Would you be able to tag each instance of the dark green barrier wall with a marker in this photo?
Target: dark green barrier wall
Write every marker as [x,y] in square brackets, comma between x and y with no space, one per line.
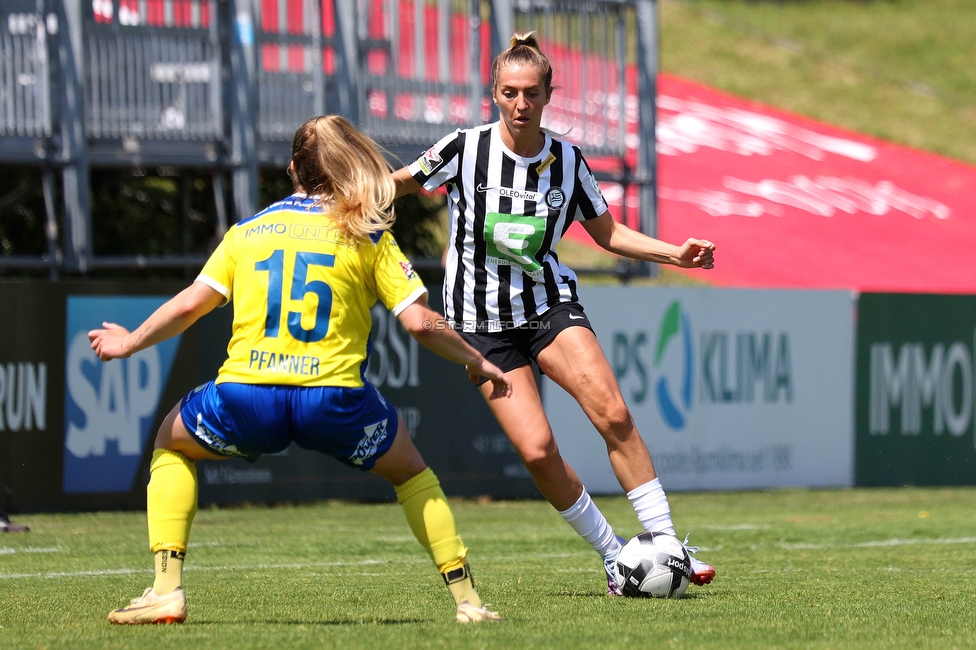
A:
[915,386]
[77,434]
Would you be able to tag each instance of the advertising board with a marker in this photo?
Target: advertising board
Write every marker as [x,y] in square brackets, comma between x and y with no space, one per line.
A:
[731,389]
[76,433]
[915,363]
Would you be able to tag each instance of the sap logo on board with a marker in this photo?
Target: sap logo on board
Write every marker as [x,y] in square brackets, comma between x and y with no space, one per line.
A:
[911,380]
[742,367]
[109,407]
[23,396]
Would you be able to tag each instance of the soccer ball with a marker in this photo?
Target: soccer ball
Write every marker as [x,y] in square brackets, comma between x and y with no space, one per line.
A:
[653,565]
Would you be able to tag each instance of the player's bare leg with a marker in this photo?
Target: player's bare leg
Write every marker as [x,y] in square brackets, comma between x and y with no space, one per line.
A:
[524,422]
[432,522]
[575,361]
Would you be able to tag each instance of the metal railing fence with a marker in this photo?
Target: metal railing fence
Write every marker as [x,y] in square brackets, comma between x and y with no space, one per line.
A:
[424,72]
[153,83]
[25,95]
[222,85]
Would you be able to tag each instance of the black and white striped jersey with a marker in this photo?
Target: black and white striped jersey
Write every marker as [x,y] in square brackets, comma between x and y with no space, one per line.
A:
[507,213]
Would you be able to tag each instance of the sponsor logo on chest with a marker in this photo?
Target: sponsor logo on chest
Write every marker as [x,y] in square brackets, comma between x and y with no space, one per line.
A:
[510,193]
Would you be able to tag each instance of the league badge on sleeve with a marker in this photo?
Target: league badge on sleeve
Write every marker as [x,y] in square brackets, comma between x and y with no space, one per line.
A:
[408,270]
[429,161]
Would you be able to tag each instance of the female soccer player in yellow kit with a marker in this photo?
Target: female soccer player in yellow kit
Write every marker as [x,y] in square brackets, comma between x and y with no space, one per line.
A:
[302,275]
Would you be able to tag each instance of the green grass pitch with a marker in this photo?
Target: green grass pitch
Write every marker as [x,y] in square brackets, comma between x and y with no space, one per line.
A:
[885,568]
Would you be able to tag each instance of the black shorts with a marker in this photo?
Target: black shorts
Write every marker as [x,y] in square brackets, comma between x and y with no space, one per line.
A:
[517,347]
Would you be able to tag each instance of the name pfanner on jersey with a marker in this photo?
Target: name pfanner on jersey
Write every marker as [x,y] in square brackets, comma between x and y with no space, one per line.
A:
[284,363]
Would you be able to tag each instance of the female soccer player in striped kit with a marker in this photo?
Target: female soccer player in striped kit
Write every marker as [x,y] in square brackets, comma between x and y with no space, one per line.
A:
[513,189]
[302,275]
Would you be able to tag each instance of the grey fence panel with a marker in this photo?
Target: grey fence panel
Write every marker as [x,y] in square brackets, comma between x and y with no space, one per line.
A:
[426,68]
[295,61]
[25,92]
[223,84]
[153,82]
[423,72]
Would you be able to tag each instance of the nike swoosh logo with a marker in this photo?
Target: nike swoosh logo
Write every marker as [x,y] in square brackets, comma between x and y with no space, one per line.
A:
[482,188]
[134,609]
[573,317]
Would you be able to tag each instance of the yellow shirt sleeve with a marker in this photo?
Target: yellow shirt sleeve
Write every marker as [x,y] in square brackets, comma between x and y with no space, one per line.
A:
[397,284]
[218,272]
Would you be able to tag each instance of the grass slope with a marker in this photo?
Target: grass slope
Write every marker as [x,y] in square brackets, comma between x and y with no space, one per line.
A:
[797,569]
[901,70]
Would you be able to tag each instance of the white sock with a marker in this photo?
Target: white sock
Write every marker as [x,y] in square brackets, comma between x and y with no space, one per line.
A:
[651,505]
[590,524]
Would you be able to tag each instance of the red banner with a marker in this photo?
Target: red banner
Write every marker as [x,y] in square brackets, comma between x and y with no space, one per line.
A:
[791,202]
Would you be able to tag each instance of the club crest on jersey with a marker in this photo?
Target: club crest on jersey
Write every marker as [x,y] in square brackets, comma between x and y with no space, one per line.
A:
[429,161]
[408,270]
[555,198]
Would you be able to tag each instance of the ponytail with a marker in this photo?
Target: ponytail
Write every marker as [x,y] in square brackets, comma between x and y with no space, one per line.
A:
[346,169]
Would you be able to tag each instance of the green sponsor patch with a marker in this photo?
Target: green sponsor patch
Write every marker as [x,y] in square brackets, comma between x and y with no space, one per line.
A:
[515,240]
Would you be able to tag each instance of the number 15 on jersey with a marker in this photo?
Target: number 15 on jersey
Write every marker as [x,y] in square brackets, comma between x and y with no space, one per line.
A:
[300,288]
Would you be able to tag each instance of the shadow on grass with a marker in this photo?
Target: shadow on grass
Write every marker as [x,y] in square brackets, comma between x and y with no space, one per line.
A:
[591,594]
[405,621]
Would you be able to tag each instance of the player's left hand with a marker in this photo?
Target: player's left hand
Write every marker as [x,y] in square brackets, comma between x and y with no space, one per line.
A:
[695,254]
[108,342]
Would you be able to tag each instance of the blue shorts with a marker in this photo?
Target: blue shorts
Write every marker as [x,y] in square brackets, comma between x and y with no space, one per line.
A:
[354,425]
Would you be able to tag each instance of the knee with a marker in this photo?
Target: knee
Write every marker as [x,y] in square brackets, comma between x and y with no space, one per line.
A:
[614,420]
[537,458]
[410,470]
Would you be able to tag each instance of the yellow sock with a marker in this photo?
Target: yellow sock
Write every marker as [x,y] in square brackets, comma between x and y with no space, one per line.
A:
[169,571]
[461,584]
[171,503]
[432,523]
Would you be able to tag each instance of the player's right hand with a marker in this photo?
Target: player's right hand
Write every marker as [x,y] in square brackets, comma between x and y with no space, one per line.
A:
[501,386]
[108,343]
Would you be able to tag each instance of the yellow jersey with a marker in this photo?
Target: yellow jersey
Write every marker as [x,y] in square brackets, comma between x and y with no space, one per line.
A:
[302,294]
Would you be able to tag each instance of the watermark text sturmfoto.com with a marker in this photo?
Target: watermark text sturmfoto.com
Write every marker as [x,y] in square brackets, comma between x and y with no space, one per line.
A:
[486,325]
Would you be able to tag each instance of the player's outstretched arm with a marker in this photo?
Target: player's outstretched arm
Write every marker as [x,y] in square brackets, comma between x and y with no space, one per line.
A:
[435,333]
[621,240]
[405,182]
[172,318]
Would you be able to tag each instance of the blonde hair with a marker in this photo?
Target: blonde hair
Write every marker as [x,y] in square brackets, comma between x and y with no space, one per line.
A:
[346,169]
[523,50]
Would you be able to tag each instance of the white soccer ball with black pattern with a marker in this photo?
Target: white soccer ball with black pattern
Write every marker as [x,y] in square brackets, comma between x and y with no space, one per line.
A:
[653,565]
